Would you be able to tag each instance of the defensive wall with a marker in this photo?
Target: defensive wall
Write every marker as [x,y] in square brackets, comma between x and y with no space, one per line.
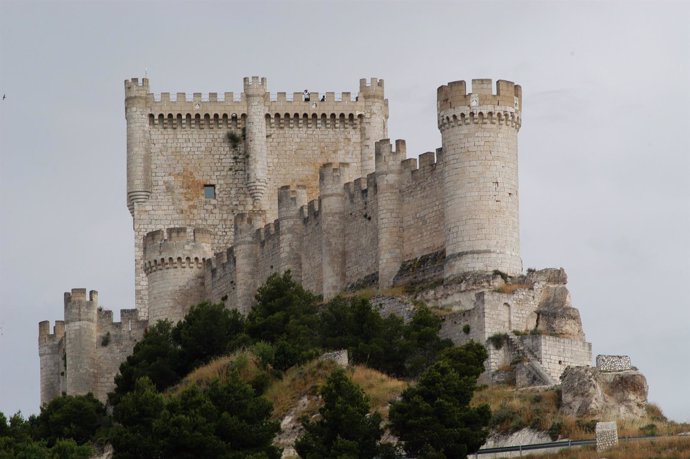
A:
[351,211]
[84,352]
[198,161]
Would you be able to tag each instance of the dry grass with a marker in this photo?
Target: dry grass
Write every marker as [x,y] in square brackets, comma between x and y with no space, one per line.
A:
[380,388]
[538,408]
[308,378]
[368,293]
[667,448]
[511,288]
[243,361]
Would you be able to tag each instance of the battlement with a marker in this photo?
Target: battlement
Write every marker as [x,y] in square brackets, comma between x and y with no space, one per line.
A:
[176,248]
[387,159]
[44,334]
[371,90]
[134,88]
[246,224]
[255,86]
[454,95]
[78,308]
[332,178]
[290,200]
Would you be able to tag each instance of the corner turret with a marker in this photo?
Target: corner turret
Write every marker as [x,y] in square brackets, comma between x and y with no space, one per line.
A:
[255,90]
[374,122]
[290,202]
[138,153]
[80,341]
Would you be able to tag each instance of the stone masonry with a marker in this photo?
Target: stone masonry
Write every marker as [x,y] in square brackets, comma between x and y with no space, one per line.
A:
[613,362]
[226,191]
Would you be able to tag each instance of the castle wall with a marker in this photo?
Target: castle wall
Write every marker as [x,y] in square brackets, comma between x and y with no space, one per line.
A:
[555,353]
[423,218]
[114,343]
[246,145]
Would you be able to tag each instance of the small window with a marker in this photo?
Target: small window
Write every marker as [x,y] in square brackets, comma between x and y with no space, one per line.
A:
[210,191]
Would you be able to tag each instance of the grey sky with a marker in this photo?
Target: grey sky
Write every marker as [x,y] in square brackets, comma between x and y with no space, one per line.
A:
[604,148]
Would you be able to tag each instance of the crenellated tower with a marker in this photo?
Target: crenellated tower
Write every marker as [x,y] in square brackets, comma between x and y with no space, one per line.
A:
[174,265]
[50,352]
[374,122]
[245,252]
[139,184]
[390,237]
[479,135]
[332,178]
[290,202]
[80,341]
[256,92]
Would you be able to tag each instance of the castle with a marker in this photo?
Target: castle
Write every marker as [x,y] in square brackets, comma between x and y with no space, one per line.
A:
[226,191]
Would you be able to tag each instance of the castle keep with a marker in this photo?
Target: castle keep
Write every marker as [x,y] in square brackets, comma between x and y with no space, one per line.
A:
[226,191]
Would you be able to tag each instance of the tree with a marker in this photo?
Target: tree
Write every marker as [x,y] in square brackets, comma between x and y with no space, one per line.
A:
[433,418]
[345,429]
[422,343]
[156,357]
[225,420]
[207,331]
[78,417]
[286,316]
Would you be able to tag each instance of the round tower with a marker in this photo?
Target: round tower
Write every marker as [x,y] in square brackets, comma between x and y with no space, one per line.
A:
[255,91]
[374,126]
[51,363]
[290,202]
[245,252]
[80,341]
[332,210]
[174,266]
[390,233]
[479,138]
[138,154]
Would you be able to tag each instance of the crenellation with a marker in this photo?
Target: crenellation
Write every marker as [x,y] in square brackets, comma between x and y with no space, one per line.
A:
[226,189]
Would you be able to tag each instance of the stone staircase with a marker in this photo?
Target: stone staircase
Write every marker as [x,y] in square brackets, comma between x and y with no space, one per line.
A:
[530,362]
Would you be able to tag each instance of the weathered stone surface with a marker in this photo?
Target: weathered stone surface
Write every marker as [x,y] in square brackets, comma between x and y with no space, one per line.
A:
[521,437]
[586,391]
[556,315]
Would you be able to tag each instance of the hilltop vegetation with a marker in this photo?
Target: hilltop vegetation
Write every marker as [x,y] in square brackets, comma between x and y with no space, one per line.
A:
[216,384]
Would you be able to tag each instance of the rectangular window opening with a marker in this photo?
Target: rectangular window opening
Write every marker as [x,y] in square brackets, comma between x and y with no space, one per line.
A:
[210,191]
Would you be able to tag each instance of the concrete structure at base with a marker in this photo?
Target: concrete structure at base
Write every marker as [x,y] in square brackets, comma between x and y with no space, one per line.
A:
[225,193]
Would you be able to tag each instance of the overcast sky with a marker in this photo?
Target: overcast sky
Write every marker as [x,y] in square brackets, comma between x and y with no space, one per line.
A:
[604,146]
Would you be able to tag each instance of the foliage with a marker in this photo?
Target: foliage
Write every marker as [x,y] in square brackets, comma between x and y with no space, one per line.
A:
[286,316]
[497,340]
[224,420]
[155,357]
[207,331]
[77,417]
[20,438]
[434,418]
[386,344]
[345,428]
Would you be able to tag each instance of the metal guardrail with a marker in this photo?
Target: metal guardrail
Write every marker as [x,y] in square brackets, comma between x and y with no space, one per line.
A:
[553,444]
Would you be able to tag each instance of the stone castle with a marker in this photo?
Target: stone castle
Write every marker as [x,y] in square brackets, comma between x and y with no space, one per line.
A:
[226,191]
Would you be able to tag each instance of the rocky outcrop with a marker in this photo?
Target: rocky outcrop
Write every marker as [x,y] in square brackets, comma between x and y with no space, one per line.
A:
[556,315]
[589,392]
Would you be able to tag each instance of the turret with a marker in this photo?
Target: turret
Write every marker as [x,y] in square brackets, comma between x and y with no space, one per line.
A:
[138,153]
[52,368]
[245,250]
[255,91]
[479,135]
[374,123]
[290,202]
[80,341]
[174,266]
[332,178]
[390,238]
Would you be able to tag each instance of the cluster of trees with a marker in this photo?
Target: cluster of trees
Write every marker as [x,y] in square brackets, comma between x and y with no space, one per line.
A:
[231,419]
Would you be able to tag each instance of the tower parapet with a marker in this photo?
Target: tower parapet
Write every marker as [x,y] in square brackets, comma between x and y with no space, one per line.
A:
[479,135]
[173,263]
[388,179]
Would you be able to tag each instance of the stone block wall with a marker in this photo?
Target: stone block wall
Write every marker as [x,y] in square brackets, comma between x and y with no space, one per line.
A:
[613,362]
[555,354]
[245,145]
[607,435]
